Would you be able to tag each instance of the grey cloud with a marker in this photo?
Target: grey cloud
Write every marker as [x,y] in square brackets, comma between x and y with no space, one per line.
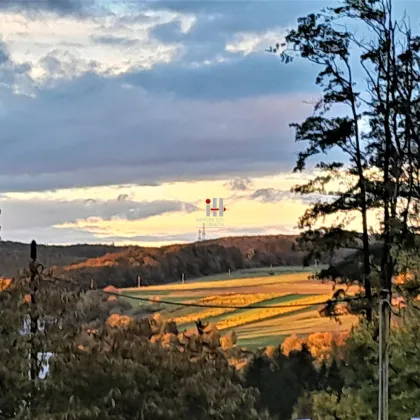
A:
[170,123]
[182,237]
[210,234]
[155,208]
[206,40]
[190,207]
[62,7]
[4,53]
[169,32]
[126,21]
[239,77]
[313,198]
[217,22]
[62,236]
[114,40]
[253,75]
[202,42]
[50,236]
[51,64]
[18,215]
[252,15]
[95,131]
[146,175]
[237,16]
[66,65]
[270,195]
[12,73]
[240,184]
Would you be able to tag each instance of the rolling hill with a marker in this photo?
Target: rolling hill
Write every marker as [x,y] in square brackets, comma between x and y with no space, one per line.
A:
[108,264]
[290,301]
[15,255]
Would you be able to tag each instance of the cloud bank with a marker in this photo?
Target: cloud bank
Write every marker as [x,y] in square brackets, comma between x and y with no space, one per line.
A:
[147,93]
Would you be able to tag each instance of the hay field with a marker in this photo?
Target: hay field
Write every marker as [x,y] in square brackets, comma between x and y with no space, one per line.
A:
[254,327]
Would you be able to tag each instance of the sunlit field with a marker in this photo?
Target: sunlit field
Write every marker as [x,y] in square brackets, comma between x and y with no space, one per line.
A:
[290,287]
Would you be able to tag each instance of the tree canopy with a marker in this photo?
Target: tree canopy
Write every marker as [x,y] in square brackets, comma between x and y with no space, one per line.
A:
[104,370]
[363,134]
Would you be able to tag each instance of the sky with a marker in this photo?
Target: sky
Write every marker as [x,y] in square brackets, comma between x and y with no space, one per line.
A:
[120,118]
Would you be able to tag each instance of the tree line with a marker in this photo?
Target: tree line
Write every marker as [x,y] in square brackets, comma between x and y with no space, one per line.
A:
[162,265]
[367,115]
[108,365]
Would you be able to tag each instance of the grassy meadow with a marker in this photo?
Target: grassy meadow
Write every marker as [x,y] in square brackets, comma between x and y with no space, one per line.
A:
[285,286]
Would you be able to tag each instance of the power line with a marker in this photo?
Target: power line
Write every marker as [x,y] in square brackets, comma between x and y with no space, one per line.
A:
[334,301]
[199,305]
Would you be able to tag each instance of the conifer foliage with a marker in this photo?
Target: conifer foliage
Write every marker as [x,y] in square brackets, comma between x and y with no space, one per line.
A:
[363,135]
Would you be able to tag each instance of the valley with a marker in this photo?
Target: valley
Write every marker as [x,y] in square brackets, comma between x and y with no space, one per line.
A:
[290,301]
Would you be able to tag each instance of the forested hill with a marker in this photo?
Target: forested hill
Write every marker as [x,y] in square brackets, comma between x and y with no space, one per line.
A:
[268,244]
[15,255]
[121,265]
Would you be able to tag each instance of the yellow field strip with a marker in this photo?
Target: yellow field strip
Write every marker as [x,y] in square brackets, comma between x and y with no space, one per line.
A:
[250,281]
[236,299]
[254,315]
[301,323]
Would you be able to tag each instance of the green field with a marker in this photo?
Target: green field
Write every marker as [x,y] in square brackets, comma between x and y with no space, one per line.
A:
[286,286]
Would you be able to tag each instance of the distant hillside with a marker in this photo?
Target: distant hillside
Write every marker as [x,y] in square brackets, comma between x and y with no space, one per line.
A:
[166,264]
[266,246]
[121,265]
[15,255]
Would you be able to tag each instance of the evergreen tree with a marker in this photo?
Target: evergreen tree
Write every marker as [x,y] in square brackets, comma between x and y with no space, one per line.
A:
[282,380]
[377,172]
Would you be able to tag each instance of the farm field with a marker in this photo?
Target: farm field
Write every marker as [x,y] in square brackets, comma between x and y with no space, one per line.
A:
[291,302]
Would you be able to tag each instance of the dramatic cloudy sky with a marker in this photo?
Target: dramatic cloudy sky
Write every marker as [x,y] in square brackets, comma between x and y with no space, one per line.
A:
[118,119]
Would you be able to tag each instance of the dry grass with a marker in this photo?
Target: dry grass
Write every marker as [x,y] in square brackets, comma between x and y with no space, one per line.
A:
[253,326]
[255,315]
[254,281]
[231,300]
[301,323]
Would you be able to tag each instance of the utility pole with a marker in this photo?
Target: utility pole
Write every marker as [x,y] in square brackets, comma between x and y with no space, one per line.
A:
[33,355]
[138,280]
[384,333]
[183,278]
